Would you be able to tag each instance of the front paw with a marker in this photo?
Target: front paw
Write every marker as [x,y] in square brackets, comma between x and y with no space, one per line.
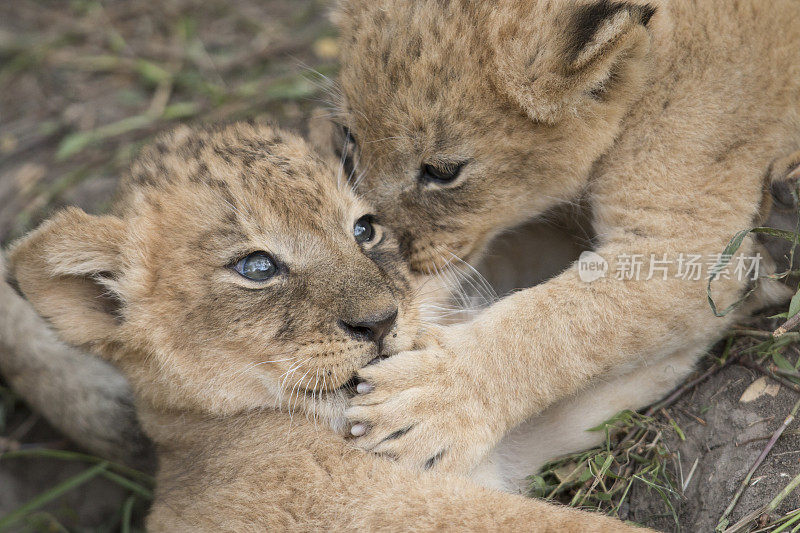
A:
[421,409]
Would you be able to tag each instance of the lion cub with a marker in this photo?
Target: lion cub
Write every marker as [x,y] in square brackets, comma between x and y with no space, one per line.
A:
[470,118]
[237,276]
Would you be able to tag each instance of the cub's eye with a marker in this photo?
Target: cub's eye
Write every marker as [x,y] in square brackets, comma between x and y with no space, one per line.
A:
[345,149]
[258,266]
[441,175]
[363,230]
[344,141]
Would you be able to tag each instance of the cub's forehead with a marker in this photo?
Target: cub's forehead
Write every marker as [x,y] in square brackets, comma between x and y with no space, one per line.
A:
[250,171]
[409,64]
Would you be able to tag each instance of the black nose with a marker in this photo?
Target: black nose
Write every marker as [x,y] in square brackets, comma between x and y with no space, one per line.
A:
[372,328]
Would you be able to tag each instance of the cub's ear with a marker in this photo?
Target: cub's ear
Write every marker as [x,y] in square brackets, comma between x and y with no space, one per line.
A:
[550,59]
[68,270]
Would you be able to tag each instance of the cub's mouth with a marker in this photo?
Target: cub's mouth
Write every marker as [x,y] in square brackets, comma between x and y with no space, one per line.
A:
[349,386]
[348,389]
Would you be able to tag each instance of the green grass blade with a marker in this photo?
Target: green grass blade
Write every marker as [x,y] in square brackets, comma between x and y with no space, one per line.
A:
[788,523]
[128,484]
[794,305]
[52,494]
[66,455]
[127,514]
[732,247]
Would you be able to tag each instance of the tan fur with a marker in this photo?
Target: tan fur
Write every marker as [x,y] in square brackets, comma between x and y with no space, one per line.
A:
[667,119]
[704,106]
[83,396]
[209,354]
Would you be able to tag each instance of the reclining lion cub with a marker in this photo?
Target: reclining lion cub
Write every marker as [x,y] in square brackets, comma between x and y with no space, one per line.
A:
[236,277]
[470,118]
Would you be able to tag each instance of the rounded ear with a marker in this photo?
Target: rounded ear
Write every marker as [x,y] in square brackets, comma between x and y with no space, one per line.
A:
[68,269]
[547,59]
[333,143]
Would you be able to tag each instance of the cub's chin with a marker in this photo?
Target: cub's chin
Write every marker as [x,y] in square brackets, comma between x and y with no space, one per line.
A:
[329,409]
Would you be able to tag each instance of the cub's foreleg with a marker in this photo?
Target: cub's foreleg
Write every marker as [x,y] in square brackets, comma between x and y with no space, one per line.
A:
[547,343]
[83,397]
[564,427]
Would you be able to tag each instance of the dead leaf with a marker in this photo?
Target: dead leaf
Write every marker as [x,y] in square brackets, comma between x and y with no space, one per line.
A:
[759,388]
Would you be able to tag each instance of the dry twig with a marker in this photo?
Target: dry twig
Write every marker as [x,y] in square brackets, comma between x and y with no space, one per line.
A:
[723,521]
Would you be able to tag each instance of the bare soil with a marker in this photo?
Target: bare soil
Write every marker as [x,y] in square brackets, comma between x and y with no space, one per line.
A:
[721,435]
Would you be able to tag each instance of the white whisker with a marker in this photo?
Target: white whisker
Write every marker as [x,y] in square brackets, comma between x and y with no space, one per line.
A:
[254,365]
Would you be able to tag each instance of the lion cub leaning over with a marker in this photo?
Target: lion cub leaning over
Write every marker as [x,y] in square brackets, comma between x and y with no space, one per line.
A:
[235,277]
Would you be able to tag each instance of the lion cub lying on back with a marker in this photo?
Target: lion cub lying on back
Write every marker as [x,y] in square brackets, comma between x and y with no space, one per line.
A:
[236,276]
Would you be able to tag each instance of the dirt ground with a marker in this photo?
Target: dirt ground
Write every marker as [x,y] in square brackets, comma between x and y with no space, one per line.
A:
[84,83]
[724,437]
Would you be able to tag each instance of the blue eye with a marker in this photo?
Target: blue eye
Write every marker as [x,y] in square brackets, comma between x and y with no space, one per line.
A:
[258,266]
[363,230]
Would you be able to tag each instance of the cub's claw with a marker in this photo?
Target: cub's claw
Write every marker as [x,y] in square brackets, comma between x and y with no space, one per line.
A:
[416,408]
